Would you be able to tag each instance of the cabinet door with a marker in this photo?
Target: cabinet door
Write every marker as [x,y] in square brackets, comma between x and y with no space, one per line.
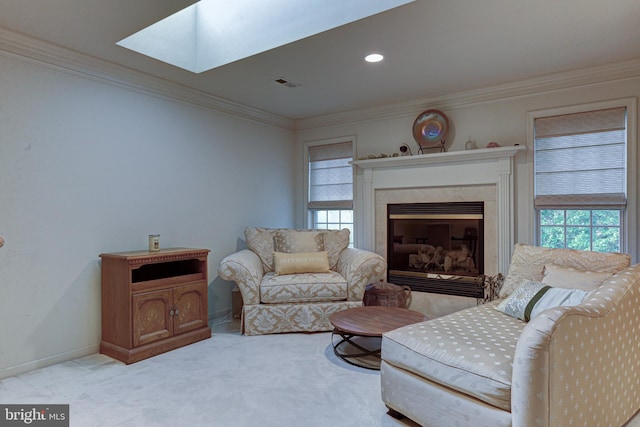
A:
[152,316]
[191,307]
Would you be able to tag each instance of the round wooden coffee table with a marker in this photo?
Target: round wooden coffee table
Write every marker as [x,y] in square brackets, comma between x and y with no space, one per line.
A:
[360,330]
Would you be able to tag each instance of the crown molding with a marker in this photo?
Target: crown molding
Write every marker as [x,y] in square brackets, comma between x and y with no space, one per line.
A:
[535,86]
[56,57]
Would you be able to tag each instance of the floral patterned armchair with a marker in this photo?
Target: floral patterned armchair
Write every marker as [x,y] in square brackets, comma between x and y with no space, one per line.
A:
[292,280]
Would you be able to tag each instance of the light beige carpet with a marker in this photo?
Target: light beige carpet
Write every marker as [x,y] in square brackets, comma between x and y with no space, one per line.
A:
[229,380]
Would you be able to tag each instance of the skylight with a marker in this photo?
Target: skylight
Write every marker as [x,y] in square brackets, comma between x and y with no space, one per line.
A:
[212,33]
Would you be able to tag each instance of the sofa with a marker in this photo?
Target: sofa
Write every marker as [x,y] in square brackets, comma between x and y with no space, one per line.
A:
[559,347]
[292,280]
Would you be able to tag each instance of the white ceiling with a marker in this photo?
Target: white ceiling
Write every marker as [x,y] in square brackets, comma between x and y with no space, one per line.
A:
[432,48]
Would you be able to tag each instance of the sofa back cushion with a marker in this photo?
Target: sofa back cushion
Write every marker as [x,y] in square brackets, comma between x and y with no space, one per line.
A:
[527,263]
[262,241]
[335,241]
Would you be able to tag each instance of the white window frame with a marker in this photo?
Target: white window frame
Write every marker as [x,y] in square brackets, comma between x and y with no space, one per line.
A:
[629,240]
[308,214]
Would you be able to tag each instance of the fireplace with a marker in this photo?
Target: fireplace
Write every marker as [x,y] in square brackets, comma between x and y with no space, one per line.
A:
[485,174]
[437,247]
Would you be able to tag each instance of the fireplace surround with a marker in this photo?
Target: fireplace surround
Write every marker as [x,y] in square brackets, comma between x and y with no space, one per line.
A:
[482,175]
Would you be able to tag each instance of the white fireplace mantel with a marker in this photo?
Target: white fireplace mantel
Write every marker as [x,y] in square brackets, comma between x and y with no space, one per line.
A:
[440,158]
[447,169]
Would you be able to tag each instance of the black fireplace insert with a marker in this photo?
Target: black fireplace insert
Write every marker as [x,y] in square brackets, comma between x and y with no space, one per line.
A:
[437,247]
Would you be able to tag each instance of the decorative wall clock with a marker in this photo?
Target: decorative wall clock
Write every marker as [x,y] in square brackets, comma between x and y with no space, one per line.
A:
[430,130]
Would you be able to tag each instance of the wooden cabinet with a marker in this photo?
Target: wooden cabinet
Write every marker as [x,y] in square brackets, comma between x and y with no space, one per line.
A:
[153,302]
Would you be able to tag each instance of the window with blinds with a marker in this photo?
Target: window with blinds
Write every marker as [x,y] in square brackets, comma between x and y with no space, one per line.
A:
[330,192]
[331,176]
[580,179]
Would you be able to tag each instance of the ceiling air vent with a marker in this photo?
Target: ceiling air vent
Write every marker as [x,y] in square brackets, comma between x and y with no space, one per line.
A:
[287,83]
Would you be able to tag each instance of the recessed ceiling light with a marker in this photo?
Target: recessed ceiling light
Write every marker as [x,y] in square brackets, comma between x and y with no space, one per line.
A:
[374,57]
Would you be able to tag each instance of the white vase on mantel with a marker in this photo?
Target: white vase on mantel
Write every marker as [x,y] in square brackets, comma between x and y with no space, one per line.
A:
[470,144]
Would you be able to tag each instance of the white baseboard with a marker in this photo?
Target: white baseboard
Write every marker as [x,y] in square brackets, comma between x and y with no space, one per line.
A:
[12,371]
[47,361]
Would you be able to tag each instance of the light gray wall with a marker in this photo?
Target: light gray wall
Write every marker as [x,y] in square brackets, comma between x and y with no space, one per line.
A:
[500,119]
[86,168]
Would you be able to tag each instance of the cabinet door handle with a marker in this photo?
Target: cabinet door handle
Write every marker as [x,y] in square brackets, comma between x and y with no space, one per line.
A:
[176,311]
[171,313]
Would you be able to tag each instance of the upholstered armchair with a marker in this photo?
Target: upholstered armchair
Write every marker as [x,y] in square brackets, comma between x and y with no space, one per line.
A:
[292,280]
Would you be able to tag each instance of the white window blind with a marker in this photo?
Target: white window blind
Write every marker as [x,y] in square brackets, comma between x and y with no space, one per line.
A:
[580,159]
[331,176]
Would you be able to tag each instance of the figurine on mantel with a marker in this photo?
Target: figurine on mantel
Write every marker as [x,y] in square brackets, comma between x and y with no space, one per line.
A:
[493,144]
[470,144]
[405,150]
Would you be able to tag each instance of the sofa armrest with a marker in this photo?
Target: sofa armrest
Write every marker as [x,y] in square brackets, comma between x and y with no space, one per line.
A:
[573,365]
[244,268]
[359,268]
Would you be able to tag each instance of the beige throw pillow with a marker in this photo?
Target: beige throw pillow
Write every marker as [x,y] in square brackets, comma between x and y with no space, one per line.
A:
[303,262]
[573,278]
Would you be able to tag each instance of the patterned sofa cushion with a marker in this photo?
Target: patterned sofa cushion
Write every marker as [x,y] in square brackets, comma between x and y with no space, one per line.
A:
[277,289]
[470,351]
[291,241]
[527,263]
[262,242]
[334,243]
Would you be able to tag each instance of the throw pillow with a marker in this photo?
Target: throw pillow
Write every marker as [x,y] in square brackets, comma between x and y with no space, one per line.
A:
[302,262]
[573,278]
[292,241]
[532,298]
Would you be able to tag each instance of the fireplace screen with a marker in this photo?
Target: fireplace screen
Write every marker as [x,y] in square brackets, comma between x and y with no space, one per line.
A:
[437,247]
